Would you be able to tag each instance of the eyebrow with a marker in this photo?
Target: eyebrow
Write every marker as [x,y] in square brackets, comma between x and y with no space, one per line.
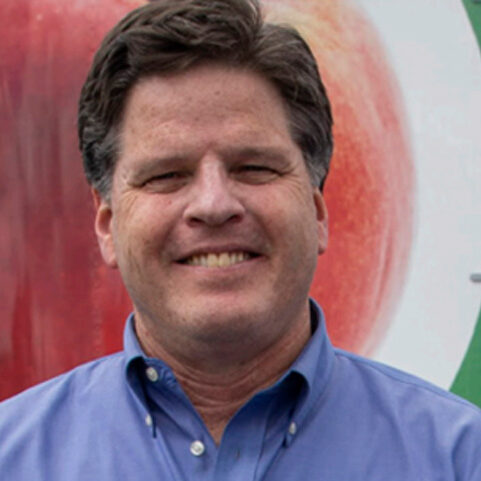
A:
[149,164]
[236,154]
[262,152]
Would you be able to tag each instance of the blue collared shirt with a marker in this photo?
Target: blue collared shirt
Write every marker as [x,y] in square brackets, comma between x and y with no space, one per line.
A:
[332,416]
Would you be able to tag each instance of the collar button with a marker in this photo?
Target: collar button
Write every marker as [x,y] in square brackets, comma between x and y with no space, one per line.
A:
[197,448]
[152,374]
[148,420]
[292,428]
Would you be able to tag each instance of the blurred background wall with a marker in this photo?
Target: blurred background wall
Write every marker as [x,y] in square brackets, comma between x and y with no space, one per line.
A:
[398,280]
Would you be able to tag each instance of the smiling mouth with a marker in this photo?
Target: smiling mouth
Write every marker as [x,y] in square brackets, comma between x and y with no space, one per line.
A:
[221,259]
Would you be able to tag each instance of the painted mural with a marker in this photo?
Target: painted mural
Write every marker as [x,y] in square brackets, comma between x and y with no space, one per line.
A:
[403,194]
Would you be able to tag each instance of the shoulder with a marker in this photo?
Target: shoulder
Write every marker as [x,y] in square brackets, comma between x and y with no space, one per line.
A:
[392,382]
[413,408]
[62,393]
[56,430]
[403,416]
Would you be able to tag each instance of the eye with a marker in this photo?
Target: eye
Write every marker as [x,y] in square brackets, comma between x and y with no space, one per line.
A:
[166,176]
[255,173]
[166,182]
[255,168]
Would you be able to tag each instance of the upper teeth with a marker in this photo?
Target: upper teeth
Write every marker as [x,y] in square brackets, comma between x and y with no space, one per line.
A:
[223,259]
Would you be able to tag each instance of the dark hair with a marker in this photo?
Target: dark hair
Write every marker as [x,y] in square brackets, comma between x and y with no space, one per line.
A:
[167,36]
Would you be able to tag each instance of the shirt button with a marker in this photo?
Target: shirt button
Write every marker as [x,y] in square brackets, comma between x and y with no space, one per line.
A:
[148,420]
[152,374]
[292,428]
[197,448]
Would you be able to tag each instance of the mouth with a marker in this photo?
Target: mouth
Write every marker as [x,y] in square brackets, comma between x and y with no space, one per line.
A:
[220,259]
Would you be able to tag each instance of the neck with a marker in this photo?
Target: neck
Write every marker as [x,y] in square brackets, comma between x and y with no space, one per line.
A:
[218,389]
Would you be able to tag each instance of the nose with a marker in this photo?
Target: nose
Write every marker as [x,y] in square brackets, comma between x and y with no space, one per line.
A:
[212,200]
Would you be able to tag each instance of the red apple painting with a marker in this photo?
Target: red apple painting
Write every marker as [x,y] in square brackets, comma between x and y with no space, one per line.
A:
[369,192]
[60,305]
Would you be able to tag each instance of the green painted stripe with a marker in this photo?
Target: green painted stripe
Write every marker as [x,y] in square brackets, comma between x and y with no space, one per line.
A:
[473,9]
[468,380]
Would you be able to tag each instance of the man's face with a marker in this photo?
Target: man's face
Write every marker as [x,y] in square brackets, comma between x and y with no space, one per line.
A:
[212,220]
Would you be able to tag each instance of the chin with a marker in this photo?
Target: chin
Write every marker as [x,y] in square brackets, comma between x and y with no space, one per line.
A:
[232,321]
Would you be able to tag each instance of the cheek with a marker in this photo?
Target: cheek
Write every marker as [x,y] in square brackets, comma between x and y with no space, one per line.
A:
[292,220]
[304,231]
[135,226]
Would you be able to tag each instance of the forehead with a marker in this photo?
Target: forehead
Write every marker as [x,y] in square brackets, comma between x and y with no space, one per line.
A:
[205,96]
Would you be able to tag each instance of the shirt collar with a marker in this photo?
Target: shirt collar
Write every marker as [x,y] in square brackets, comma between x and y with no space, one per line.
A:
[132,347]
[314,364]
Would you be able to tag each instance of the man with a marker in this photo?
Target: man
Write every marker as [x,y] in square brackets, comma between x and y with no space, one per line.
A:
[206,134]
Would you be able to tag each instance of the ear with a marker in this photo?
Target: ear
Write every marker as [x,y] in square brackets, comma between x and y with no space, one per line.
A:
[321,211]
[103,228]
